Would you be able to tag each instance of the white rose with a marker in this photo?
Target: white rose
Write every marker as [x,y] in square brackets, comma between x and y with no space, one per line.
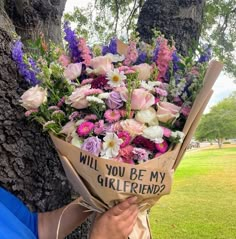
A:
[116,57]
[178,134]
[148,116]
[76,140]
[154,133]
[33,97]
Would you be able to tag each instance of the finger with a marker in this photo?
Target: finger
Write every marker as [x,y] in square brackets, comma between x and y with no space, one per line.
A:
[132,223]
[129,211]
[123,206]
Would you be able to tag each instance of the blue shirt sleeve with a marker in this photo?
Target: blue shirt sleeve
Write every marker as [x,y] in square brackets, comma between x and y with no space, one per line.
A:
[20,211]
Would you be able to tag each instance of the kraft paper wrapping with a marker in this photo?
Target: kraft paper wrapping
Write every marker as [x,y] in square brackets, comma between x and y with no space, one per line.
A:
[103,183]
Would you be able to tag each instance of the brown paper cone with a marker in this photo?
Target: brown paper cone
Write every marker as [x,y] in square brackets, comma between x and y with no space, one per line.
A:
[103,183]
[212,74]
[191,131]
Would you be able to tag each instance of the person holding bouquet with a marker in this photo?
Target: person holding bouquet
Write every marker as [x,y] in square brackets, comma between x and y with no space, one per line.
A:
[17,222]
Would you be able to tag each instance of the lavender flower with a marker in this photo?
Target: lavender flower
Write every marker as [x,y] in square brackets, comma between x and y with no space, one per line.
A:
[140,154]
[142,57]
[175,60]
[156,52]
[114,100]
[111,48]
[207,54]
[73,42]
[93,145]
[24,70]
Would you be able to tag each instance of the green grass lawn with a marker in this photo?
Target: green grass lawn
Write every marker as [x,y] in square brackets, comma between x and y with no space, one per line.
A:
[202,203]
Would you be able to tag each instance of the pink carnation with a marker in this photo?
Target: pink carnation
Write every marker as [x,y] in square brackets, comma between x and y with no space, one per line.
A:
[85,128]
[127,154]
[91,117]
[125,136]
[99,127]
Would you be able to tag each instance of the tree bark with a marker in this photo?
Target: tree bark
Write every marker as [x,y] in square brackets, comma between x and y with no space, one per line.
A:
[31,18]
[180,19]
[29,165]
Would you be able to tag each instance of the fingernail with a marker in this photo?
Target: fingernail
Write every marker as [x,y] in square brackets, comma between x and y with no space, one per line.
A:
[132,199]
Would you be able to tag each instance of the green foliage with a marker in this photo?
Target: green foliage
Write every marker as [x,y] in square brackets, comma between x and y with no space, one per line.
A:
[107,18]
[220,122]
[220,27]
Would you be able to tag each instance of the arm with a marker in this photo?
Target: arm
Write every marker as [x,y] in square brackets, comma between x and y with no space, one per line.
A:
[116,223]
[73,217]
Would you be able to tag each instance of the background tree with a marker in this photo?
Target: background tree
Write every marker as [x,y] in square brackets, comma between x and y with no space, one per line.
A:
[120,17]
[29,165]
[220,122]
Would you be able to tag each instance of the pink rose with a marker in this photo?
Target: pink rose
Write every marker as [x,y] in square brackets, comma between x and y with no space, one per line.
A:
[144,71]
[167,111]
[33,97]
[68,128]
[132,126]
[101,65]
[64,60]
[141,98]
[73,71]
[78,98]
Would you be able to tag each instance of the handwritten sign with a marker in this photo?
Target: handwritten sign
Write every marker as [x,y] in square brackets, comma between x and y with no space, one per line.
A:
[126,178]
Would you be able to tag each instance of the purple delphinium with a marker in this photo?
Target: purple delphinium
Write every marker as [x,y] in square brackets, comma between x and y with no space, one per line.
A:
[206,55]
[92,145]
[175,60]
[24,69]
[142,57]
[156,52]
[111,48]
[72,40]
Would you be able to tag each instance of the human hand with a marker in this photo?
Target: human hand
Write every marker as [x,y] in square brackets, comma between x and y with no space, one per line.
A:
[117,222]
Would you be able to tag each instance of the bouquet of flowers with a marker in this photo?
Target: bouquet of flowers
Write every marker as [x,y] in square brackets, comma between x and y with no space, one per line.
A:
[120,115]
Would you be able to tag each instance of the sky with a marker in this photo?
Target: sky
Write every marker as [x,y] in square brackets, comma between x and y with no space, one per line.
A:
[223,87]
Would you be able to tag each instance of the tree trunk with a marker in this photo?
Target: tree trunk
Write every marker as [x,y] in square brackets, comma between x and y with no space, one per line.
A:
[29,165]
[180,19]
[220,142]
[37,16]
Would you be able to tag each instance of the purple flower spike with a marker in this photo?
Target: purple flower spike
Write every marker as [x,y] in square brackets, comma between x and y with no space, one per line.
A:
[18,57]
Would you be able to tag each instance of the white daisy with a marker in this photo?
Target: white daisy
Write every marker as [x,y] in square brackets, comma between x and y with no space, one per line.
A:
[111,145]
[115,78]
